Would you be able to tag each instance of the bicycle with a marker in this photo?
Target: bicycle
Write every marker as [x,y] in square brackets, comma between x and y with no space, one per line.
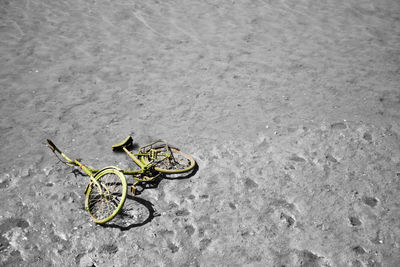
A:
[107,188]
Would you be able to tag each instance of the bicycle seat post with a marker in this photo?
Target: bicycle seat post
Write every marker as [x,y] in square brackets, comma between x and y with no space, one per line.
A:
[127,142]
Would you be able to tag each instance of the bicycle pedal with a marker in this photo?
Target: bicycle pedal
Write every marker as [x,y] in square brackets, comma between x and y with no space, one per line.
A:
[133,190]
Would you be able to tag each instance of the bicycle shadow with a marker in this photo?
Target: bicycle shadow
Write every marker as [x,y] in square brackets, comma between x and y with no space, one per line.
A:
[123,220]
[181,176]
[132,214]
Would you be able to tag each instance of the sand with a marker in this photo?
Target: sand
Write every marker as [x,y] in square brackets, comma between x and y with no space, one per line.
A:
[290,108]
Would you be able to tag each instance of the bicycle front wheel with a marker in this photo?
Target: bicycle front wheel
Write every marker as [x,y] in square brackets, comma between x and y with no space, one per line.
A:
[177,162]
[104,202]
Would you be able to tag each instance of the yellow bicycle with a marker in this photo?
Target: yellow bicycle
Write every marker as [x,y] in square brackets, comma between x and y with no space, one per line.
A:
[107,187]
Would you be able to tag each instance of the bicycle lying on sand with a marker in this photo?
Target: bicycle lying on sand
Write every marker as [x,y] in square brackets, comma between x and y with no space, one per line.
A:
[107,188]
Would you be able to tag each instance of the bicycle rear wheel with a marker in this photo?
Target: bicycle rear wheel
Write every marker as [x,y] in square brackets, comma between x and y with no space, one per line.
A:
[104,203]
[178,162]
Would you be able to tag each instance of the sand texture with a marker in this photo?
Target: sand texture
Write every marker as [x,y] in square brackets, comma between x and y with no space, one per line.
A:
[290,108]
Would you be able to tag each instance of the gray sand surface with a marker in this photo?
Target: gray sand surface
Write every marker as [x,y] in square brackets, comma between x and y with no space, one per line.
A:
[290,108]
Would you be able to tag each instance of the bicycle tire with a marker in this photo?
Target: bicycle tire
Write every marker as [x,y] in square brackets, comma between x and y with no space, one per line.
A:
[104,207]
[182,162]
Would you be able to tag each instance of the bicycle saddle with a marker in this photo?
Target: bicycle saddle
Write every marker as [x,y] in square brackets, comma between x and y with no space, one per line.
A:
[125,143]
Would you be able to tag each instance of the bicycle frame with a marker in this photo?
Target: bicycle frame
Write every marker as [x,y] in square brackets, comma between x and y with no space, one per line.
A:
[144,167]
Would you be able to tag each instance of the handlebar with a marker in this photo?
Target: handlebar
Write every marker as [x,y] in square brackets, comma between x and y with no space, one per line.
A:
[52,146]
[88,170]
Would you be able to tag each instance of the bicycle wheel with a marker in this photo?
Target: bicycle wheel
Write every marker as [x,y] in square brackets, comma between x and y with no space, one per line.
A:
[178,162]
[104,203]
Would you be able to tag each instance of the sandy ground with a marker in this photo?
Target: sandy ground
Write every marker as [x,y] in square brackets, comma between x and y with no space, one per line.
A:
[290,108]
